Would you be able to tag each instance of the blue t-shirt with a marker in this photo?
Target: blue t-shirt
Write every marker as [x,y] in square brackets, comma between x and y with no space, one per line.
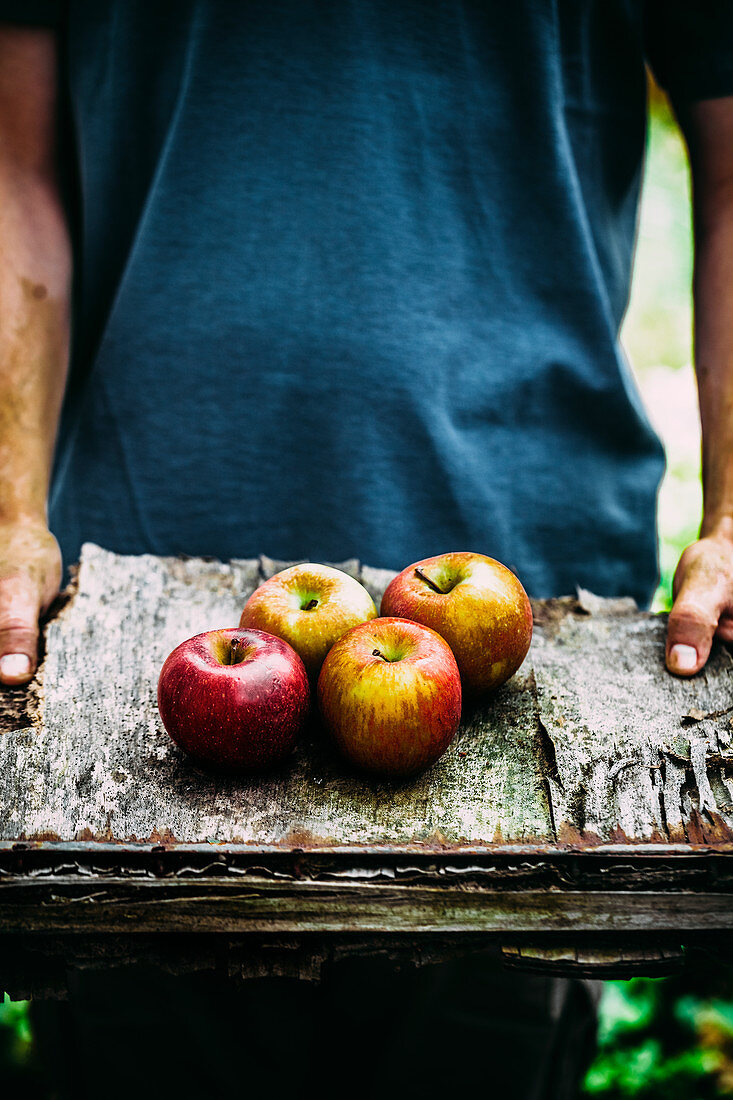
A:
[350,275]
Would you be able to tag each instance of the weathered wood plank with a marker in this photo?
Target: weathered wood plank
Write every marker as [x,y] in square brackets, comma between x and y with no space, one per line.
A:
[88,888]
[589,744]
[262,905]
[591,798]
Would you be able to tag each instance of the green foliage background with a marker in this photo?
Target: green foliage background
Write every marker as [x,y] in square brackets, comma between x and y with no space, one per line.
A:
[666,1039]
[670,1038]
[19,1071]
[657,335]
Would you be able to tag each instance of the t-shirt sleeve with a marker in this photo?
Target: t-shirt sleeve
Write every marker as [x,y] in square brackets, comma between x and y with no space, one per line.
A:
[689,47]
[32,13]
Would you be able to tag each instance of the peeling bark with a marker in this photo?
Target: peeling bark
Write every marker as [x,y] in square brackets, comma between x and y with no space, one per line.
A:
[633,766]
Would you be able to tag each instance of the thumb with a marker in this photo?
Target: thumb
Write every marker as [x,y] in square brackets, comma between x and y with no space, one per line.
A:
[692,623]
[19,610]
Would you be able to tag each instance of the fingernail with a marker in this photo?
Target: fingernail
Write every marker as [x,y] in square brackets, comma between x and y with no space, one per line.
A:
[14,666]
[683,657]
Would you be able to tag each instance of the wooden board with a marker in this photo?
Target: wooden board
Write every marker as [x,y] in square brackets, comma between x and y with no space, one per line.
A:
[588,744]
[591,797]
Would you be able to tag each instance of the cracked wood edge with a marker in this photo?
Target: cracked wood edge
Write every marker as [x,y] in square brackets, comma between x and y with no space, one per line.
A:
[624,761]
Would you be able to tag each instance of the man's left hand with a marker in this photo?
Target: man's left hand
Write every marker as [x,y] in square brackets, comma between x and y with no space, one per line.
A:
[703,603]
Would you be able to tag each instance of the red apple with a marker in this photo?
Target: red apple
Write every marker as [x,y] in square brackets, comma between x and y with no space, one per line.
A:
[390,694]
[234,698]
[477,605]
[309,606]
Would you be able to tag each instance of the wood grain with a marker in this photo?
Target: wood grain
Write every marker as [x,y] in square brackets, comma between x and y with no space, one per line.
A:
[264,906]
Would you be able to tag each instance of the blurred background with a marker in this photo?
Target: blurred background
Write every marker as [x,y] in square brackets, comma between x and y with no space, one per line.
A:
[666,1038]
[657,335]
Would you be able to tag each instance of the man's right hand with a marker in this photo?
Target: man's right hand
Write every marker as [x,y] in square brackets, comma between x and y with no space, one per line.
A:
[35,292]
[30,574]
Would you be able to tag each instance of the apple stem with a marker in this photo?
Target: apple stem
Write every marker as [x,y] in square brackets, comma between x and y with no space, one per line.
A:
[433,585]
[310,605]
[376,653]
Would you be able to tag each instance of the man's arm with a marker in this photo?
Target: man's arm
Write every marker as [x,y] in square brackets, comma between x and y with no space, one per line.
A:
[703,584]
[35,276]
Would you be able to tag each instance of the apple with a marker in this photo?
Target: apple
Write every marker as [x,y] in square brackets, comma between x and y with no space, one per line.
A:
[476,604]
[390,694]
[310,606]
[234,698]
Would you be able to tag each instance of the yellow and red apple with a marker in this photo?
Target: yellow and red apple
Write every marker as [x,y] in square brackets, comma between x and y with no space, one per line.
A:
[309,606]
[390,694]
[476,604]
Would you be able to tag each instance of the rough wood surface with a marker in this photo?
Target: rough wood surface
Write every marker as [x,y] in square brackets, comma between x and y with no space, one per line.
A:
[592,742]
[260,905]
[591,797]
